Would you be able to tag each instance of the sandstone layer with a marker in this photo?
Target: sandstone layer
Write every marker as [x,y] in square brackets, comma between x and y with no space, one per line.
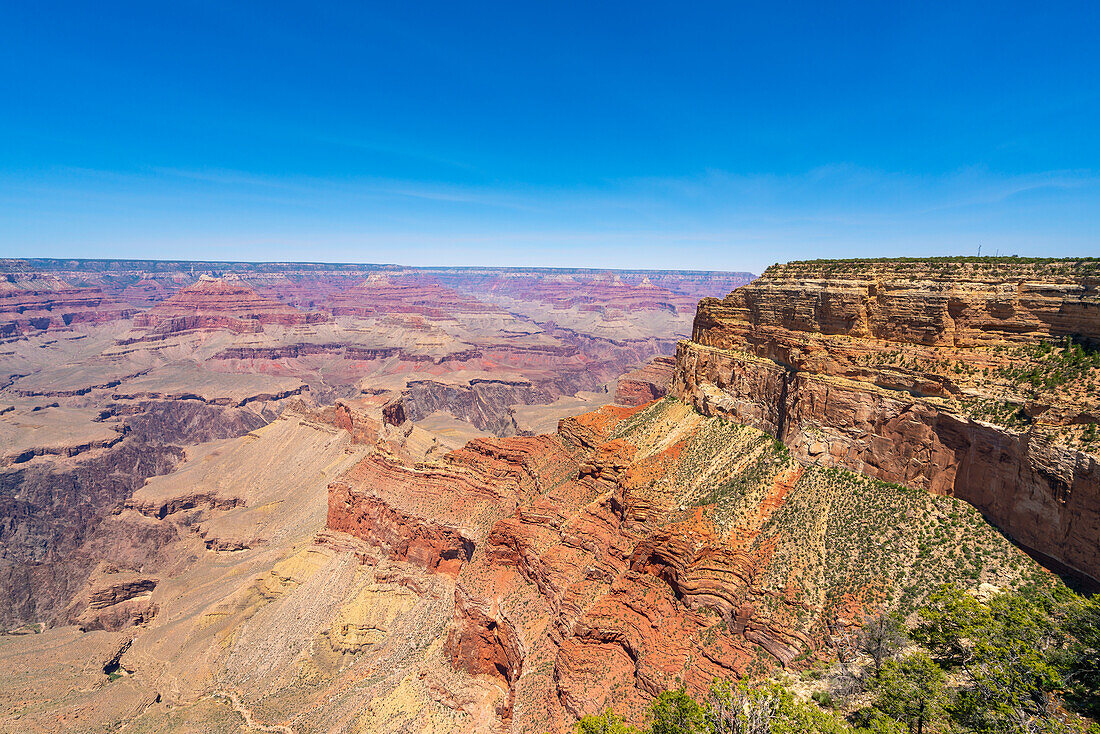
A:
[640,549]
[214,303]
[34,303]
[938,375]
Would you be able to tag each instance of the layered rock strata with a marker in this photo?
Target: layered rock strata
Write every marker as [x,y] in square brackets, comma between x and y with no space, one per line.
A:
[883,367]
[593,290]
[214,303]
[646,383]
[38,303]
[640,549]
[385,294]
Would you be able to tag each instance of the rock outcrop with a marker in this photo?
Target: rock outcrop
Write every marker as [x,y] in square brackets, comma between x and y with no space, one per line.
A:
[214,303]
[646,383]
[889,368]
[482,403]
[32,304]
[115,601]
[643,548]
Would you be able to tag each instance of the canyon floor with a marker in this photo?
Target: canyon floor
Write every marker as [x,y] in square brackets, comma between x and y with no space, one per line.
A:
[304,498]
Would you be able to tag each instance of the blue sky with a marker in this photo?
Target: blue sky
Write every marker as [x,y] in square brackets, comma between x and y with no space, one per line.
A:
[695,135]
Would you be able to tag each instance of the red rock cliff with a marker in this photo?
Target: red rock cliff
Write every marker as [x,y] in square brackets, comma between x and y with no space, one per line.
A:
[641,549]
[212,303]
[913,372]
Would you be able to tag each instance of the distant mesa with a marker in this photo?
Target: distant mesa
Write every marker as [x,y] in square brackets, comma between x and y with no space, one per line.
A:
[223,303]
[656,291]
[36,303]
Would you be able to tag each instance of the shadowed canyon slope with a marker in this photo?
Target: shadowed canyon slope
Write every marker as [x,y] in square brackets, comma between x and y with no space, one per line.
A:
[348,547]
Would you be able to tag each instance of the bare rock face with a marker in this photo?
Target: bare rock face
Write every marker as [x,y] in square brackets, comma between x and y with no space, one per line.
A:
[888,368]
[647,383]
[640,549]
[114,602]
[932,303]
[48,509]
[393,413]
[34,304]
[483,403]
[214,303]
[361,428]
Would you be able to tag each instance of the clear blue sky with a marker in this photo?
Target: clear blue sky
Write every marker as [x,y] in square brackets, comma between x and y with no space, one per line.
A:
[703,135]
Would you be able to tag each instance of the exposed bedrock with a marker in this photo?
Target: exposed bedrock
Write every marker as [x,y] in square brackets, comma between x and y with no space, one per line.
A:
[483,403]
[577,586]
[405,537]
[49,508]
[482,641]
[644,548]
[792,354]
[594,290]
[114,603]
[586,364]
[213,303]
[31,304]
[646,383]
[382,293]
[961,304]
[346,351]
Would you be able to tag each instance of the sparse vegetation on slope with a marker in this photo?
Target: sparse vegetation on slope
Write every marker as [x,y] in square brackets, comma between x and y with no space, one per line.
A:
[1023,661]
[836,543]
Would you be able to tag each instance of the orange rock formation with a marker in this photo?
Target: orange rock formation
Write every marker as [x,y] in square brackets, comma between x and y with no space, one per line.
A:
[647,383]
[636,550]
[213,303]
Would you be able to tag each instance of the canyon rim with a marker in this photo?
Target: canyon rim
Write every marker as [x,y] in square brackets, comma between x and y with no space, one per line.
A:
[382,499]
[549,368]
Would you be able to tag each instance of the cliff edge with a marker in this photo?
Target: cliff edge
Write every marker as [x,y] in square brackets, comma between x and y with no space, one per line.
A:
[969,377]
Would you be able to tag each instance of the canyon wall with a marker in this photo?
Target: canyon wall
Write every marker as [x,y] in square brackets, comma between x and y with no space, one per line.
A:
[213,303]
[649,382]
[34,303]
[887,368]
[48,508]
[641,549]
